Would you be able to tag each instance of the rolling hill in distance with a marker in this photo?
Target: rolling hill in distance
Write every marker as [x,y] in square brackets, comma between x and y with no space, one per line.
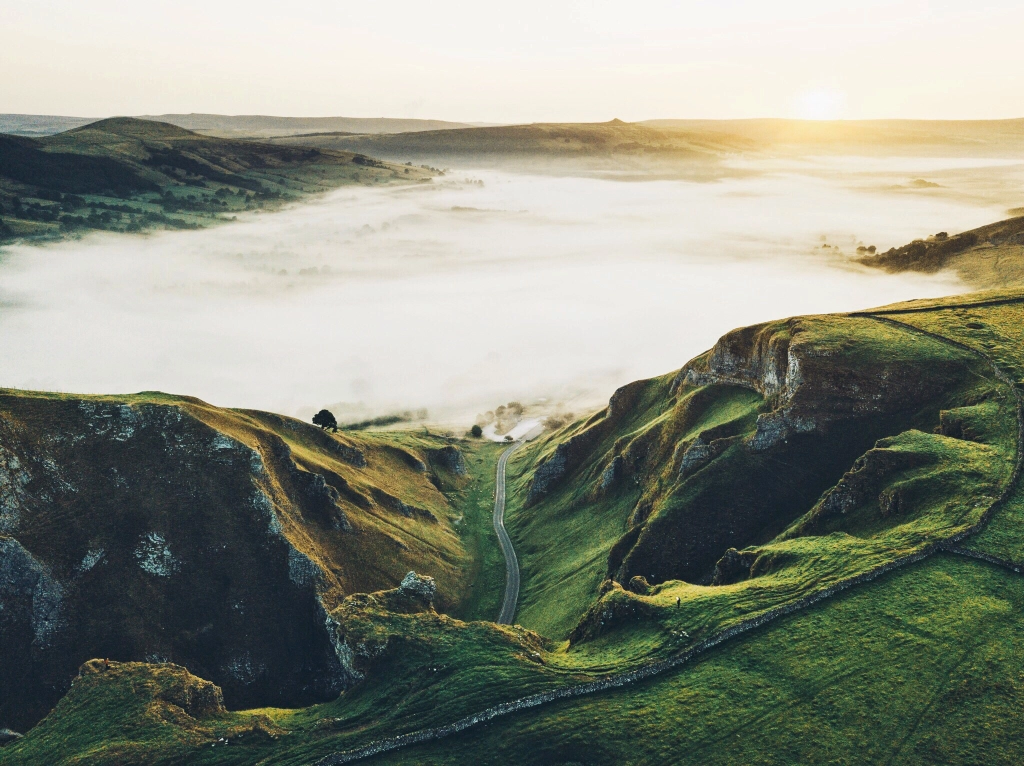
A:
[263,126]
[675,143]
[126,174]
[232,126]
[607,144]
[993,138]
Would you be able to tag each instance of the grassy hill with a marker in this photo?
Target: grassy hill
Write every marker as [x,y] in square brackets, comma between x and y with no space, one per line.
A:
[593,143]
[803,546]
[160,527]
[266,126]
[124,174]
[989,256]
[678,144]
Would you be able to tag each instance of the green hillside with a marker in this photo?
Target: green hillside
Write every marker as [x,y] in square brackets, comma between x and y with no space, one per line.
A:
[160,527]
[127,175]
[267,126]
[803,546]
[675,145]
[592,143]
[989,256]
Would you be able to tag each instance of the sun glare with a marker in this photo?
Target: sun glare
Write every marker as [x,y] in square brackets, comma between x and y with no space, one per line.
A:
[820,104]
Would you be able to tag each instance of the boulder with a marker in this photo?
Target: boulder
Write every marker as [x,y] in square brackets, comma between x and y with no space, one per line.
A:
[419,587]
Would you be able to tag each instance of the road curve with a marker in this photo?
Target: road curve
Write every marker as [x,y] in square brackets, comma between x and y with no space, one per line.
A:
[508,606]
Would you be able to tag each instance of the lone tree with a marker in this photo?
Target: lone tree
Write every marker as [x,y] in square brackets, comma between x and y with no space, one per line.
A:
[325,419]
[476,431]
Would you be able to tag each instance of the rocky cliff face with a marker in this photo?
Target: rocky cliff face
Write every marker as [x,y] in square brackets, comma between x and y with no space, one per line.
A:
[710,468]
[571,453]
[161,529]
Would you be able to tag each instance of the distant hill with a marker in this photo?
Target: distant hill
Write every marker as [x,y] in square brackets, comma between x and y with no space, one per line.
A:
[989,256]
[678,143]
[971,137]
[126,174]
[39,124]
[547,142]
[264,126]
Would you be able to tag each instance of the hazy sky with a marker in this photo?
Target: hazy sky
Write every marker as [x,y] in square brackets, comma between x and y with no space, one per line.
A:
[516,61]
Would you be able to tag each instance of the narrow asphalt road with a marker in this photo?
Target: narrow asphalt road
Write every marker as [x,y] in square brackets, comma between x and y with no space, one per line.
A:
[508,606]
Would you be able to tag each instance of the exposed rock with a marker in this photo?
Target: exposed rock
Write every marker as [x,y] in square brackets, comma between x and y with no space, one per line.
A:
[392,503]
[569,454]
[176,686]
[14,482]
[351,455]
[420,587]
[90,559]
[317,496]
[819,392]
[864,481]
[957,424]
[548,473]
[321,497]
[734,566]
[779,426]
[155,557]
[700,453]
[196,696]
[301,569]
[750,357]
[28,588]
[615,607]
[891,502]
[612,474]
[640,513]
[451,459]
[7,737]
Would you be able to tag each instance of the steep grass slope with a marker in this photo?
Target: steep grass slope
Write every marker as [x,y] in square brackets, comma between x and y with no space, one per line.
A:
[737,446]
[162,528]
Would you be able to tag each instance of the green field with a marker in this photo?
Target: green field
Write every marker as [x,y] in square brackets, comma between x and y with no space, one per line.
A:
[925,666]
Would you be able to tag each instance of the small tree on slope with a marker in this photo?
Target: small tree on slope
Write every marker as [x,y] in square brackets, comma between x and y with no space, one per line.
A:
[325,419]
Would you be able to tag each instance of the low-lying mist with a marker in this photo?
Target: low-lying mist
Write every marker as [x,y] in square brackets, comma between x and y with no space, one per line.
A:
[458,296]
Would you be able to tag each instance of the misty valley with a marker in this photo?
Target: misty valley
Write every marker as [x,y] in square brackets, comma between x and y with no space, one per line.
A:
[557,384]
[491,285]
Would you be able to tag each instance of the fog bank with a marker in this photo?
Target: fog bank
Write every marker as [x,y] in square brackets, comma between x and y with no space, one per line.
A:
[455,297]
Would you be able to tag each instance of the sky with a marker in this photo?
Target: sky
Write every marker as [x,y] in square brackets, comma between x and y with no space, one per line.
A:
[516,62]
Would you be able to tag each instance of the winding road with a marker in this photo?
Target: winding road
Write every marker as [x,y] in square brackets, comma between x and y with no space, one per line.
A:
[508,606]
[647,670]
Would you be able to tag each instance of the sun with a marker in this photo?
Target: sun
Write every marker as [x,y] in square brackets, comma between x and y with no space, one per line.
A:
[820,104]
